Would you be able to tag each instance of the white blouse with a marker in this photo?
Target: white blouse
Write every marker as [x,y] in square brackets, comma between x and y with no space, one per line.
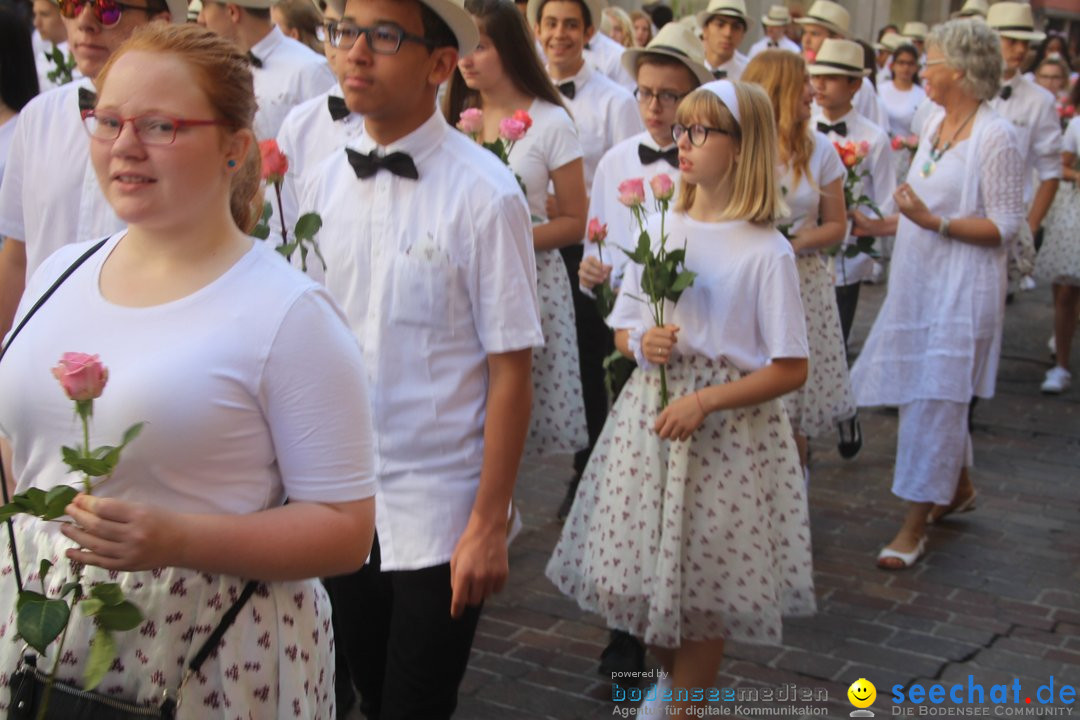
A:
[901,106]
[550,143]
[804,197]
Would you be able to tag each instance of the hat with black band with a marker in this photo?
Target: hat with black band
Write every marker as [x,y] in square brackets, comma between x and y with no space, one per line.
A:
[839,57]
[674,40]
[831,16]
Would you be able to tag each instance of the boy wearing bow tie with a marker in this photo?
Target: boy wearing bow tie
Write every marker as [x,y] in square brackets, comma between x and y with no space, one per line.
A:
[429,251]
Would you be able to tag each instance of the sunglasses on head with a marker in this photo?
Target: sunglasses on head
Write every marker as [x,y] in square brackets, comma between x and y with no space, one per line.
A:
[107,12]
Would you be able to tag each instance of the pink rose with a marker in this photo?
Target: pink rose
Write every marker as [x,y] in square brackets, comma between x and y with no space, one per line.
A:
[523,116]
[913,141]
[274,162]
[897,142]
[810,55]
[471,121]
[662,186]
[864,149]
[82,376]
[512,129]
[632,192]
[597,231]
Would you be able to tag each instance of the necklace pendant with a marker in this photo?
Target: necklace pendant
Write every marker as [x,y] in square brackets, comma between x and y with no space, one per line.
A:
[927,168]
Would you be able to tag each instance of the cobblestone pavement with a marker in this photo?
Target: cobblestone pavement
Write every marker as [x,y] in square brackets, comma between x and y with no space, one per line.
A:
[996,598]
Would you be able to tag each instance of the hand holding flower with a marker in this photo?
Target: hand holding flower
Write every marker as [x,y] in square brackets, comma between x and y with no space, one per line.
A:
[593,272]
[658,343]
[120,535]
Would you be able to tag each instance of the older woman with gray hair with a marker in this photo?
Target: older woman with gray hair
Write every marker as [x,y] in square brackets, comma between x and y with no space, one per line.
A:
[936,342]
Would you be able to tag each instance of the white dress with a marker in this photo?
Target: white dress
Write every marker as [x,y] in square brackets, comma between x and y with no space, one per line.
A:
[901,106]
[252,390]
[1059,258]
[938,334]
[705,538]
[557,423]
[826,397]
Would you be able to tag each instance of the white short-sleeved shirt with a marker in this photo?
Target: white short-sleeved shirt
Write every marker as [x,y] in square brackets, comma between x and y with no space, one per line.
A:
[46,66]
[1030,108]
[623,162]
[744,304]
[900,106]
[550,143]
[251,389]
[605,114]
[50,195]
[804,198]
[605,55]
[291,73]
[434,275]
[1071,142]
[734,67]
[767,43]
[7,132]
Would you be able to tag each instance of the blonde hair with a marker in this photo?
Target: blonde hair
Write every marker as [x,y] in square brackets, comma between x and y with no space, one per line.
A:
[303,17]
[755,194]
[636,15]
[782,75]
[612,16]
[223,73]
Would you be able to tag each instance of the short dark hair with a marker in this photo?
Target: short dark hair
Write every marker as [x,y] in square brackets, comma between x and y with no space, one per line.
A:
[261,13]
[741,21]
[585,14]
[18,81]
[652,58]
[662,15]
[436,30]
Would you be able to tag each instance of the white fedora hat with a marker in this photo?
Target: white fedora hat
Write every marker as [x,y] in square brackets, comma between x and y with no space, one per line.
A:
[1014,20]
[675,40]
[839,57]
[974,7]
[779,16]
[891,41]
[452,12]
[728,8]
[829,15]
[915,30]
[596,11]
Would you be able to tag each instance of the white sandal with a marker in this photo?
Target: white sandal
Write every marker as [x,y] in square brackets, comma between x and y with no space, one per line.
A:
[907,559]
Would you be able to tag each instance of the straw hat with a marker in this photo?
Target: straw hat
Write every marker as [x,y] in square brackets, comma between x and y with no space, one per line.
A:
[728,8]
[452,12]
[974,7]
[1014,20]
[778,16]
[839,57]
[915,30]
[890,41]
[596,10]
[675,40]
[829,15]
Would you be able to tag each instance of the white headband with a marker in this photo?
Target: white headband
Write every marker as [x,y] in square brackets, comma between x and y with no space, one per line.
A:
[725,90]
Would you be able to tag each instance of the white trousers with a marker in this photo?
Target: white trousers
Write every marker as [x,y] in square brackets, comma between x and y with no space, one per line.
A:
[932,446]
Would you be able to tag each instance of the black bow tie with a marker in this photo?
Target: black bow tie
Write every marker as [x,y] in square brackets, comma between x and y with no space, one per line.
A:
[719,74]
[338,109]
[567,88]
[254,60]
[1006,92]
[839,128]
[648,156]
[87,99]
[398,163]
[773,43]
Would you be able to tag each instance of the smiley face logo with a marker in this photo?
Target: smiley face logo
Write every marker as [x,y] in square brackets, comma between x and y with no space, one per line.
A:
[862,693]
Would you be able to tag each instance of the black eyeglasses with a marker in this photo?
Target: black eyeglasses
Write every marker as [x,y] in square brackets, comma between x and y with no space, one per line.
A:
[107,12]
[698,133]
[383,39]
[666,99]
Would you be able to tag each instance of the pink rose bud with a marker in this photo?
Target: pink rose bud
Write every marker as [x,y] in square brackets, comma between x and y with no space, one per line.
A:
[511,129]
[597,231]
[864,149]
[82,376]
[632,192]
[662,186]
[810,55]
[913,140]
[523,116]
[274,162]
[472,121]
[897,142]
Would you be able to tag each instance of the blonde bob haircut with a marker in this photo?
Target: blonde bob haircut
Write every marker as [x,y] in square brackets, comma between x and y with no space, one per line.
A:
[755,194]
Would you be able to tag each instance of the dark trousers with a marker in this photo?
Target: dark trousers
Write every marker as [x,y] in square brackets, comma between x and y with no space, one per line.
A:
[595,342]
[847,299]
[405,654]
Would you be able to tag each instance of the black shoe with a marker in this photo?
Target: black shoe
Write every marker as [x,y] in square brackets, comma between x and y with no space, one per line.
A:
[850,438]
[624,654]
[568,501]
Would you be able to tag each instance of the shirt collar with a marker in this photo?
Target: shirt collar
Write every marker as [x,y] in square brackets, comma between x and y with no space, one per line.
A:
[580,79]
[418,144]
[267,45]
[646,139]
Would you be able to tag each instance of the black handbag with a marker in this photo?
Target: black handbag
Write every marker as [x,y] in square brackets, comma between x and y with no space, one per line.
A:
[28,684]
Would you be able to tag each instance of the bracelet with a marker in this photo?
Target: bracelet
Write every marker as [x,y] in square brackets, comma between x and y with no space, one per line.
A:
[943,227]
[702,407]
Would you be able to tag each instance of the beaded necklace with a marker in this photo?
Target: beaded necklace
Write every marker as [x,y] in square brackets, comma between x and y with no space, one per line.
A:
[930,165]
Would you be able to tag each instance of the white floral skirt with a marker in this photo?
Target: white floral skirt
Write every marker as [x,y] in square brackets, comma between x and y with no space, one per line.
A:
[689,540]
[1059,257]
[826,397]
[557,423]
[275,661]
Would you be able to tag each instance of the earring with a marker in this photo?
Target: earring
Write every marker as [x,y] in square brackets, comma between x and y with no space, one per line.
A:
[231,163]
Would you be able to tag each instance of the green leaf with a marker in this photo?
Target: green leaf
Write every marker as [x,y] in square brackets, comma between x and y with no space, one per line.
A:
[109,593]
[71,587]
[268,210]
[41,621]
[57,500]
[91,606]
[683,281]
[102,654]
[261,231]
[92,467]
[28,596]
[9,511]
[33,501]
[307,226]
[131,433]
[43,570]
[124,616]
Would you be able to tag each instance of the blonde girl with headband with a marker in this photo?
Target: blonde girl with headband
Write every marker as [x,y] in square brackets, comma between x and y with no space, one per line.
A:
[690,524]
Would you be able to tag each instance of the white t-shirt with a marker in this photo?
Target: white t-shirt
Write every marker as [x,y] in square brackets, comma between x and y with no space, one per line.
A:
[7,132]
[550,143]
[901,106]
[251,389]
[734,67]
[291,73]
[50,195]
[434,275]
[804,198]
[605,55]
[1071,141]
[766,43]
[744,304]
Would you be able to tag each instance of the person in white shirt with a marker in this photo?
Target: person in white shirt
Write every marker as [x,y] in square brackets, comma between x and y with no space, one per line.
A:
[724,24]
[888,40]
[18,83]
[287,72]
[812,178]
[836,77]
[915,33]
[715,490]
[49,196]
[1031,110]
[254,396]
[429,250]
[503,77]
[603,53]
[902,94]
[775,38]
[49,28]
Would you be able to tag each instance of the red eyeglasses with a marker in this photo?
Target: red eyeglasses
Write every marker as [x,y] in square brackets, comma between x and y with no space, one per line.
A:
[107,12]
[151,129]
